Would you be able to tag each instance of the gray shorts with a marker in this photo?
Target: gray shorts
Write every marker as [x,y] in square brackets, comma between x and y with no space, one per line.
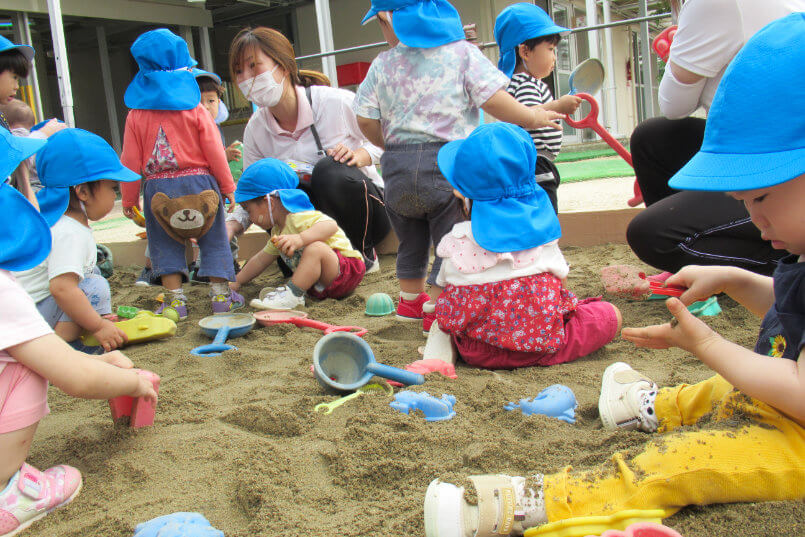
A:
[98,293]
[420,204]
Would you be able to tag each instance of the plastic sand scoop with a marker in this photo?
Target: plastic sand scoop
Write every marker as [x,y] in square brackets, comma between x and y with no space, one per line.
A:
[139,330]
[327,408]
[221,327]
[299,318]
[587,77]
[344,362]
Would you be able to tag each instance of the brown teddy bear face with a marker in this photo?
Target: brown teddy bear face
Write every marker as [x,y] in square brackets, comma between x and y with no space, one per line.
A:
[186,217]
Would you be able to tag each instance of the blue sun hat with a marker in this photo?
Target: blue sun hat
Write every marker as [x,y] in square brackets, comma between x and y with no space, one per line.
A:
[494,167]
[747,144]
[268,176]
[25,238]
[164,81]
[519,23]
[73,157]
[6,45]
[420,23]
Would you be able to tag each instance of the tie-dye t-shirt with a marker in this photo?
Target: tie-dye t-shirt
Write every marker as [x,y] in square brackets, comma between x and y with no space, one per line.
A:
[428,94]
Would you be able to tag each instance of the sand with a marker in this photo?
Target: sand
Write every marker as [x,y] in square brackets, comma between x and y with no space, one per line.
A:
[236,439]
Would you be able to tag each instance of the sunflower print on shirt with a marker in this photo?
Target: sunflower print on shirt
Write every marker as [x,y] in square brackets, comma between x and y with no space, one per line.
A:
[777,346]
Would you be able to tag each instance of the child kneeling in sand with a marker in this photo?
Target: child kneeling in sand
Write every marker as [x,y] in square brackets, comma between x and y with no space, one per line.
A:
[756,450]
[504,303]
[31,355]
[324,263]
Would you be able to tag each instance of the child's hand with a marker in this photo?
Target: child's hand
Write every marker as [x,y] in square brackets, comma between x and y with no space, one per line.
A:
[684,331]
[231,198]
[702,282]
[232,152]
[544,118]
[144,389]
[117,359]
[568,104]
[288,244]
[235,286]
[109,335]
[52,127]
[128,212]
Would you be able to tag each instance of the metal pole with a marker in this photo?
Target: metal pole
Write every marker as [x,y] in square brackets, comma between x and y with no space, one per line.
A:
[108,88]
[23,34]
[645,64]
[206,49]
[611,117]
[325,26]
[62,68]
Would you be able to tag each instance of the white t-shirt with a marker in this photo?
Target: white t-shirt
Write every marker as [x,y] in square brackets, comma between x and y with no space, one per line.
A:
[710,34]
[335,123]
[74,250]
[19,319]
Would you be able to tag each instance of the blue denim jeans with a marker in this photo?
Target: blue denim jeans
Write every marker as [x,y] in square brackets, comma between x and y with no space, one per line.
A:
[98,293]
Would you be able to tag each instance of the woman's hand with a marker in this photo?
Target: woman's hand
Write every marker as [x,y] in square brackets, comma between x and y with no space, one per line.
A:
[684,331]
[109,335]
[359,158]
[288,244]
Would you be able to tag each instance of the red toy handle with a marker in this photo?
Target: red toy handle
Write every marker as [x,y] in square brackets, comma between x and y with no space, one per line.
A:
[662,43]
[327,328]
[590,121]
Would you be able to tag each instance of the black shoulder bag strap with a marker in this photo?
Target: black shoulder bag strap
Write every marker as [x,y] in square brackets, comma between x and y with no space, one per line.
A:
[313,130]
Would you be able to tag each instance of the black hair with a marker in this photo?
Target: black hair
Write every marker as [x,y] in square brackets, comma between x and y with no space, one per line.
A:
[206,83]
[15,61]
[75,203]
[553,39]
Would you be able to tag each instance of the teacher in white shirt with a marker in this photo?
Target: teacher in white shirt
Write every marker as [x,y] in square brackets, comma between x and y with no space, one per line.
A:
[310,126]
[697,228]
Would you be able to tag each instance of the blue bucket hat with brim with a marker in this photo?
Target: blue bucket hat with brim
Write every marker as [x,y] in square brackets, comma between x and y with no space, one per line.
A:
[421,23]
[494,167]
[6,45]
[749,144]
[517,24]
[269,176]
[165,80]
[25,239]
[73,157]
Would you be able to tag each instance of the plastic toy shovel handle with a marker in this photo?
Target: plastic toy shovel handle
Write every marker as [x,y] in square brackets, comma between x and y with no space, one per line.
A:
[395,373]
[327,328]
[591,122]
[217,346]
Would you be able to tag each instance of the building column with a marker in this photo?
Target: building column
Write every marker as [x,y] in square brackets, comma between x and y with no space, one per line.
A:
[611,115]
[62,68]
[22,34]
[645,64]
[206,49]
[186,33]
[325,26]
[108,88]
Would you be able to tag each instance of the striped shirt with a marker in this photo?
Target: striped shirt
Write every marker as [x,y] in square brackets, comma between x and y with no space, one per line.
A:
[530,91]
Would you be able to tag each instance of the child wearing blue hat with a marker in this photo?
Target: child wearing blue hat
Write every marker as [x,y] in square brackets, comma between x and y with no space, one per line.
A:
[31,356]
[527,38]
[504,302]
[422,93]
[15,63]
[172,140]
[323,261]
[79,171]
[750,442]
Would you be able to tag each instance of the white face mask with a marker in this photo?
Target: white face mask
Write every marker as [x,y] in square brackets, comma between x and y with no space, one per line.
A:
[262,89]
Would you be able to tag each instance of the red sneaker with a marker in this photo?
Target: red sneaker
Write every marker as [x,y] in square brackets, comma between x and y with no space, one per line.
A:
[428,316]
[411,310]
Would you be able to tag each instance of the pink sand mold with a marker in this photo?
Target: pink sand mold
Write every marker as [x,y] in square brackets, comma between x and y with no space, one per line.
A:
[627,281]
[140,411]
[642,529]
[434,409]
[432,365]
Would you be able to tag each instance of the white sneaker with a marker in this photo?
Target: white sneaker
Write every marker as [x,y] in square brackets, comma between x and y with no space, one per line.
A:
[280,299]
[505,507]
[627,399]
[372,265]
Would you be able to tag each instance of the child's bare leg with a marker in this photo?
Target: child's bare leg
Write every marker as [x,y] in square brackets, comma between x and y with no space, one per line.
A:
[14,446]
[68,330]
[412,285]
[172,281]
[319,264]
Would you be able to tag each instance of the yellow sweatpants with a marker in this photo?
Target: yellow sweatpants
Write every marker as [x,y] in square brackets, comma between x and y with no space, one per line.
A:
[749,452]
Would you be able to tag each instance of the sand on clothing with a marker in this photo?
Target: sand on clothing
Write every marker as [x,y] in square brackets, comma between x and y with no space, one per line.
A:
[236,439]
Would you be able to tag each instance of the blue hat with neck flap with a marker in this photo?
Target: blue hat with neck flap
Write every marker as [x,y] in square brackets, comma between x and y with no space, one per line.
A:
[420,23]
[165,80]
[25,239]
[517,24]
[73,157]
[268,176]
[494,167]
[749,141]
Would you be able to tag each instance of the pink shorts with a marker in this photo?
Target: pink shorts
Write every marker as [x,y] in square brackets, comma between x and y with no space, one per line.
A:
[23,397]
[592,325]
[350,275]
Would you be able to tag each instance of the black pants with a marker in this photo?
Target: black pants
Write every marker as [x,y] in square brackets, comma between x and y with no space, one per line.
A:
[550,186]
[349,197]
[681,228]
